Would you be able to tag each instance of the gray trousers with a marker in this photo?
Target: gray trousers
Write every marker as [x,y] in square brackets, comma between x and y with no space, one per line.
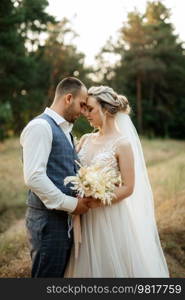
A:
[50,245]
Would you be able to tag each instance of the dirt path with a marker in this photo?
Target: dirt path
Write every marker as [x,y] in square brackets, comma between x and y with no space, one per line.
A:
[15,258]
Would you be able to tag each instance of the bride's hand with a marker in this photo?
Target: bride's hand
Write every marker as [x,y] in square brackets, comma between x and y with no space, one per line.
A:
[93,203]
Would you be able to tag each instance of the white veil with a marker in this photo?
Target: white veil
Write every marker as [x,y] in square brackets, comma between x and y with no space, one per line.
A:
[144,243]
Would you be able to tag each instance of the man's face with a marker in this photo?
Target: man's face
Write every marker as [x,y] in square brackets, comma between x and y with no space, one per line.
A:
[77,106]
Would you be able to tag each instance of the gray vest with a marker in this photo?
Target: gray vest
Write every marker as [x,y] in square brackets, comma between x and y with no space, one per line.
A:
[61,163]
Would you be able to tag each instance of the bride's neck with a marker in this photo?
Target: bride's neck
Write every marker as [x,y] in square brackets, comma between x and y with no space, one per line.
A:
[108,127]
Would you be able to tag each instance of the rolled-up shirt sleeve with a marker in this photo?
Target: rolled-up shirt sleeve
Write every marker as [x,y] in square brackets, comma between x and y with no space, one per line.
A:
[36,140]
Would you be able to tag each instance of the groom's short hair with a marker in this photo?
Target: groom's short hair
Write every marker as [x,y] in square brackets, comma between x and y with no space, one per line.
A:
[70,85]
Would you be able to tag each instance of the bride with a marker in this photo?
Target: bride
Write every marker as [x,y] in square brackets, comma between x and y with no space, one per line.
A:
[120,240]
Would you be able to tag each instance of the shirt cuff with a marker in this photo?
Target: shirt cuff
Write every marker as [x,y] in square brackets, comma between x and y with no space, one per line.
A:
[69,204]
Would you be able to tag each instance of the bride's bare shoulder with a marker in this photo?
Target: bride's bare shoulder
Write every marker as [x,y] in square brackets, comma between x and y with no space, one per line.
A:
[123,147]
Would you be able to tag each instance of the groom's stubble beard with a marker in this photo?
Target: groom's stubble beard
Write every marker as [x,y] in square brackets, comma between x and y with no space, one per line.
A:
[70,114]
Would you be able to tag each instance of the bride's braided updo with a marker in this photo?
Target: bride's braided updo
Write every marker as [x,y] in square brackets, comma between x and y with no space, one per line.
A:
[109,99]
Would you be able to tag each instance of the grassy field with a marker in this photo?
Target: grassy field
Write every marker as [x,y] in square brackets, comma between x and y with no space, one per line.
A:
[166,167]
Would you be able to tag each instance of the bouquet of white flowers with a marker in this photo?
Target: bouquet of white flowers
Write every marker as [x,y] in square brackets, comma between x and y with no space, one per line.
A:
[95,181]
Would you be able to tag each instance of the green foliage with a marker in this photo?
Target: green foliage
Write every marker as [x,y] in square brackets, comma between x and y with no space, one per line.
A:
[30,71]
[5,119]
[62,56]
[150,71]
[150,67]
[81,127]
[19,21]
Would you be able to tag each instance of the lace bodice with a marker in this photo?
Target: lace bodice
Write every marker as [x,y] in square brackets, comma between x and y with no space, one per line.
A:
[103,155]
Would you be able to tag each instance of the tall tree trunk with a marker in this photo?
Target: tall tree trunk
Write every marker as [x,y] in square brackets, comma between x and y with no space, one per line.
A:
[152,93]
[139,105]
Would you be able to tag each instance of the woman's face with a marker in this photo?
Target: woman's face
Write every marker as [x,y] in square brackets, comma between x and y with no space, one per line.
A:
[93,112]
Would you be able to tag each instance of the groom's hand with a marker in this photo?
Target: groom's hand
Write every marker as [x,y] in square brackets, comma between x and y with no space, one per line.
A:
[82,207]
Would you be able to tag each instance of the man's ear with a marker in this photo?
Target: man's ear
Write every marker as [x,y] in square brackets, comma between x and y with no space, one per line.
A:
[68,98]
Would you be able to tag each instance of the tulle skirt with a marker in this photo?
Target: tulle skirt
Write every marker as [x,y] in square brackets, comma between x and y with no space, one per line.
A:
[116,245]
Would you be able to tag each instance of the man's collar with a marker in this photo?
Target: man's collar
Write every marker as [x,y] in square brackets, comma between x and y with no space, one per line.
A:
[59,119]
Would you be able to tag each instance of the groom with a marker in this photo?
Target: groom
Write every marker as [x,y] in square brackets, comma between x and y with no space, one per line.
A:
[48,157]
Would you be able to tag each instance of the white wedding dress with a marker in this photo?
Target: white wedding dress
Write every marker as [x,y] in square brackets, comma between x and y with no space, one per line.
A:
[111,246]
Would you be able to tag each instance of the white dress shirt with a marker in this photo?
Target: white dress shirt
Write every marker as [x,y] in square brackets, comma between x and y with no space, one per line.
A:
[36,140]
